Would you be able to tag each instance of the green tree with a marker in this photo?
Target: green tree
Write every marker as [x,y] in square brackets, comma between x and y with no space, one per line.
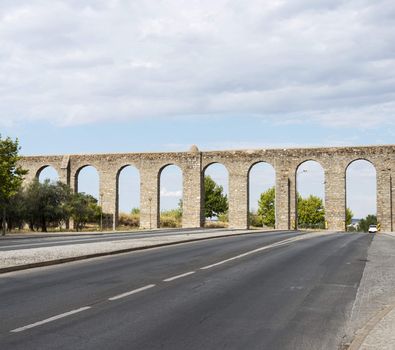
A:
[216,202]
[179,210]
[311,213]
[135,211]
[266,207]
[46,204]
[349,216]
[254,219]
[364,224]
[83,208]
[11,175]
[16,211]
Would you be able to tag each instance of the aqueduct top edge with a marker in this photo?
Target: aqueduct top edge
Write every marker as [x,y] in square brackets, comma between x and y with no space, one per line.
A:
[290,150]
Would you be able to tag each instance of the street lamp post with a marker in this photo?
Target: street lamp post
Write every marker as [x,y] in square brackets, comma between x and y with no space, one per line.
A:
[150,210]
[101,211]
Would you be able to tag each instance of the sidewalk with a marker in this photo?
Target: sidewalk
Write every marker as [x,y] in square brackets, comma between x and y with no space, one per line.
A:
[373,315]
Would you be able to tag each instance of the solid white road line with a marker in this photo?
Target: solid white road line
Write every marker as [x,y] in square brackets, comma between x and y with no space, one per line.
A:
[123,295]
[51,319]
[178,276]
[277,244]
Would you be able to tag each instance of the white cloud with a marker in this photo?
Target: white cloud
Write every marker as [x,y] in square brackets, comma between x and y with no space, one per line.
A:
[172,194]
[76,62]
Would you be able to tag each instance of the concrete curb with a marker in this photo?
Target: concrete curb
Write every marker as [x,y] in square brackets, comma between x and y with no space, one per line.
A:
[31,235]
[114,252]
[364,332]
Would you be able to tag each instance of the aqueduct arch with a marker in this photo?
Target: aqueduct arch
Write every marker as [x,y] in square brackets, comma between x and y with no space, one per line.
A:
[334,161]
[47,169]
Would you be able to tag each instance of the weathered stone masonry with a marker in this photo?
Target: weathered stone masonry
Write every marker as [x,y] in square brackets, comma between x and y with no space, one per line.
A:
[193,164]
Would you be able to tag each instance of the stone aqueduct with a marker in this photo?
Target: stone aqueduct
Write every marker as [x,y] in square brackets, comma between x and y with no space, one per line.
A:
[238,163]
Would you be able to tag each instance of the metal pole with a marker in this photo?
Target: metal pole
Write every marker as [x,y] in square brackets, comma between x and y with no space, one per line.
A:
[150,223]
[101,211]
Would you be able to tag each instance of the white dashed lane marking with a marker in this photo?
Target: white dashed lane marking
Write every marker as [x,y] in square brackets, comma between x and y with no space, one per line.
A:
[135,291]
[178,276]
[51,319]
[277,244]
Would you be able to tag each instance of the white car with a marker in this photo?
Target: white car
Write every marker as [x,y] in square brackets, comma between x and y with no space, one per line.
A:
[372,229]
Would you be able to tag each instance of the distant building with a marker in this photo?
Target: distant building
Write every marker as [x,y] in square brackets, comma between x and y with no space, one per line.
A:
[354,223]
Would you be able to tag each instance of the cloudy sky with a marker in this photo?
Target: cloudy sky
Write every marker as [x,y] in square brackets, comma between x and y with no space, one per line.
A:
[107,76]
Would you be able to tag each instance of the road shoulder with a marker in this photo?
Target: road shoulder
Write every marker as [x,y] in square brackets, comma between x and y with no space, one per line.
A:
[372,322]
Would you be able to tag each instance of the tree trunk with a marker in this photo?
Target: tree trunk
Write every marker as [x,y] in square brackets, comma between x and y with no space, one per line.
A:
[43,224]
[4,223]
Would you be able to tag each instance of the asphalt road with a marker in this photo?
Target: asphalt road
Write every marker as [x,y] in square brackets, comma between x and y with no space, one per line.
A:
[9,243]
[244,292]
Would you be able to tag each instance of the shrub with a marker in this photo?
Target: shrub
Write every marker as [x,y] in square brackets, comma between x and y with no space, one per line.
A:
[255,219]
[129,220]
[171,218]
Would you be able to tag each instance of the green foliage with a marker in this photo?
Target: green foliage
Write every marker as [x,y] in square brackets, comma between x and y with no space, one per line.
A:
[11,175]
[83,208]
[223,217]
[349,216]
[51,204]
[311,213]
[16,211]
[46,204]
[178,211]
[254,219]
[216,202]
[266,207]
[364,224]
[135,211]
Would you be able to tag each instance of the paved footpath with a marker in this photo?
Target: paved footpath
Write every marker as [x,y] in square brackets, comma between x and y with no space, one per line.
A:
[373,314]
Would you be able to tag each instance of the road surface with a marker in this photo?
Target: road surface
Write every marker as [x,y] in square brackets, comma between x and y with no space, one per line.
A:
[9,243]
[260,291]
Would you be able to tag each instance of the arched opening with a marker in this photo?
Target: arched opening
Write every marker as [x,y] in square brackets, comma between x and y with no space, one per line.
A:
[261,196]
[128,197]
[170,198]
[47,173]
[88,181]
[216,189]
[361,194]
[310,196]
